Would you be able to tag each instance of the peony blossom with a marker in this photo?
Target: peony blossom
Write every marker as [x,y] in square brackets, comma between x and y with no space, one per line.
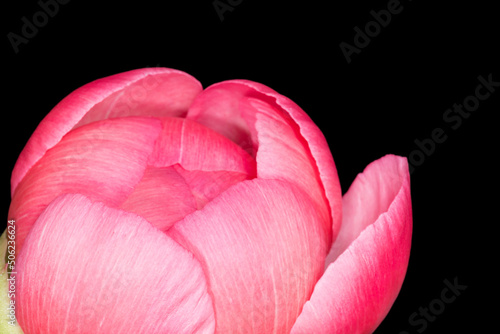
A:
[145,204]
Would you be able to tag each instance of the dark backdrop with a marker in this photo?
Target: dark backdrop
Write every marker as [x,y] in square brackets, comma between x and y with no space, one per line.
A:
[394,93]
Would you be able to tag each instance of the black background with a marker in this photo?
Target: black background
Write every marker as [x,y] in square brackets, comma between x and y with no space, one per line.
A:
[395,91]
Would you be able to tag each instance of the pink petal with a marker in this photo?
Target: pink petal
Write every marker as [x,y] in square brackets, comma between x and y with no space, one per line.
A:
[167,94]
[247,112]
[87,268]
[162,197]
[218,108]
[262,248]
[283,154]
[166,195]
[158,91]
[357,290]
[103,160]
[205,186]
[196,147]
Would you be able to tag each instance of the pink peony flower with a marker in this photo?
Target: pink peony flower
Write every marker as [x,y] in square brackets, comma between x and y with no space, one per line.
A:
[145,204]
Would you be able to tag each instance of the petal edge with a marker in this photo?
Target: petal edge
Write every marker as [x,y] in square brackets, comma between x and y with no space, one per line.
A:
[84,268]
[358,289]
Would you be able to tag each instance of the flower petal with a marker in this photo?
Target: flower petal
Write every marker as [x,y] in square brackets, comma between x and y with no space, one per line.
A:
[88,268]
[247,113]
[284,155]
[196,147]
[162,197]
[166,94]
[103,160]
[166,195]
[357,290]
[158,91]
[262,248]
[218,108]
[205,186]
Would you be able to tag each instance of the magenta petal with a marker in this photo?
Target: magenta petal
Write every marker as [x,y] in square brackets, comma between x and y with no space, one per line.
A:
[262,248]
[103,160]
[357,290]
[158,91]
[87,268]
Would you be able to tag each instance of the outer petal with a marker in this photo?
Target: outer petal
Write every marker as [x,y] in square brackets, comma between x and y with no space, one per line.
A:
[149,91]
[357,290]
[247,112]
[107,272]
[262,248]
[107,171]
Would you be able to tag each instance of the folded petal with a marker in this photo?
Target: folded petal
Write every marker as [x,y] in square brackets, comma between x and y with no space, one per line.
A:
[218,108]
[88,268]
[103,160]
[371,254]
[262,249]
[148,91]
[283,154]
[268,124]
